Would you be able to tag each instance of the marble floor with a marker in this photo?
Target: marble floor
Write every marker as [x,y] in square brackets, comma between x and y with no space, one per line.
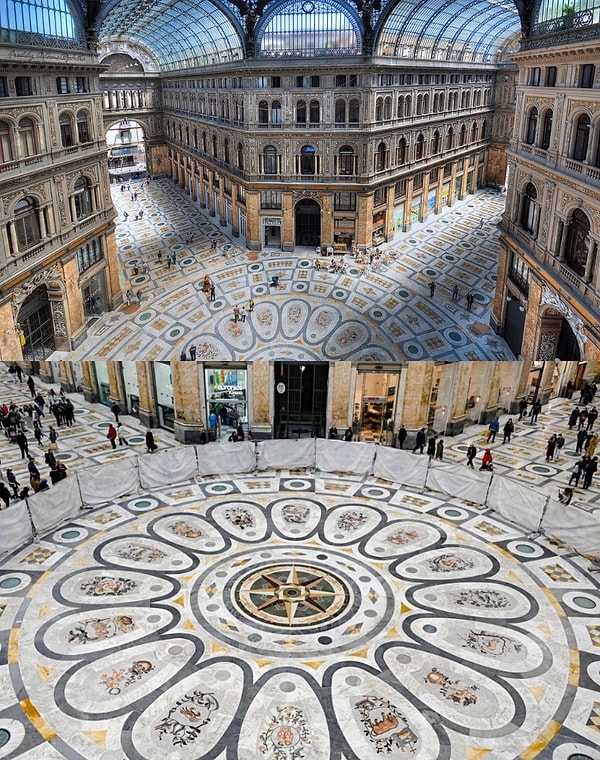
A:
[290,616]
[379,311]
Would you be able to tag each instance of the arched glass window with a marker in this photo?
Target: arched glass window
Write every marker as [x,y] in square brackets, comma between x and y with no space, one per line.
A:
[546,129]
[301,112]
[83,198]
[576,252]
[353,112]
[270,160]
[263,112]
[226,150]
[419,146]
[401,152]
[435,142]
[532,121]
[27,223]
[419,104]
[346,160]
[463,135]
[484,129]
[582,136]
[214,146]
[381,157]
[204,142]
[315,112]
[400,107]
[240,156]
[340,111]
[307,160]
[27,138]
[66,130]
[407,105]
[276,112]
[83,130]
[6,149]
[441,103]
[450,139]
[529,209]
[474,132]
[426,103]
[379,109]
[387,109]
[195,139]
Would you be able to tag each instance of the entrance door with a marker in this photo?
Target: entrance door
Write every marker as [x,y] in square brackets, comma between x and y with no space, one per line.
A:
[35,319]
[273,237]
[300,400]
[308,223]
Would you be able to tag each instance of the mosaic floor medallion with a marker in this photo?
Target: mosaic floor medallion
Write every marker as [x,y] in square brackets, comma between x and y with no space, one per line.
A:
[297,625]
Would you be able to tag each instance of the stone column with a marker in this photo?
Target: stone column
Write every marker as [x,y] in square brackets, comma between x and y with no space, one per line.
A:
[389,215]
[45,372]
[147,406]
[408,202]
[326,219]
[252,220]
[88,383]
[66,378]
[416,400]
[287,229]
[364,222]
[489,407]
[188,398]
[72,302]
[521,386]
[261,400]
[338,395]
[115,384]
[460,380]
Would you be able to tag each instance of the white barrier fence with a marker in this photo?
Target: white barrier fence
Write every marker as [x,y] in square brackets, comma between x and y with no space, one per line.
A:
[99,484]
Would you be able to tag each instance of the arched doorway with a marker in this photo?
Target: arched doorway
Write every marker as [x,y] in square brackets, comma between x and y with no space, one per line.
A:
[35,323]
[557,339]
[308,223]
[126,151]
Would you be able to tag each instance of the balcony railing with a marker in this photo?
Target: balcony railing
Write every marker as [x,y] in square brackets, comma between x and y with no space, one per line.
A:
[42,160]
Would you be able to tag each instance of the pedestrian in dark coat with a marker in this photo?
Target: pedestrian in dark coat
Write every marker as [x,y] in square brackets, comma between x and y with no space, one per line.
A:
[508,429]
[420,442]
[401,436]
[573,417]
[21,440]
[31,385]
[4,494]
[592,417]
[581,438]
[116,410]
[590,469]
[150,444]
[550,447]
[522,408]
[471,454]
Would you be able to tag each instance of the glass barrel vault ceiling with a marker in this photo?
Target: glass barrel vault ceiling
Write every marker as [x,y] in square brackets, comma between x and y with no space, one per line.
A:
[190,33]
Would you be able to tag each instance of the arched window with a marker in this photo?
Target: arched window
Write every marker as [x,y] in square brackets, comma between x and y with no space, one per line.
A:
[436,101]
[6,148]
[270,160]
[27,223]
[435,142]
[226,150]
[340,111]
[532,121]
[204,142]
[450,139]
[577,249]
[484,129]
[463,100]
[400,107]
[381,157]
[315,112]
[529,209]
[83,130]
[353,112]
[263,112]
[546,129]
[474,132]
[214,146]
[240,156]
[195,139]
[27,138]
[379,109]
[66,130]
[401,152]
[463,135]
[307,160]
[426,103]
[441,103]
[419,146]
[582,137]
[276,112]
[407,105]
[301,112]
[346,160]
[419,104]
[387,109]
[82,197]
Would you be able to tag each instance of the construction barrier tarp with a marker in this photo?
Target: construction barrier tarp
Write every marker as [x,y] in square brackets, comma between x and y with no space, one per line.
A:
[516,502]
[579,529]
[345,456]
[52,507]
[226,458]
[104,482]
[166,467]
[286,454]
[461,482]
[15,527]
[401,467]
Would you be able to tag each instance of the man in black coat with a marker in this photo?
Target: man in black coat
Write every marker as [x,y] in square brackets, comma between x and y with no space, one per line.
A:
[420,441]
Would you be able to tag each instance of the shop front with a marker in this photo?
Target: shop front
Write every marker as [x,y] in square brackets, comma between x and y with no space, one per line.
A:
[163,385]
[102,382]
[226,400]
[375,403]
[343,235]
[379,228]
[131,388]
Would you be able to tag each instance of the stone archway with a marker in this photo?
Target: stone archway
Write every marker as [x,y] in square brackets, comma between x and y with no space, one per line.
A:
[557,338]
[308,223]
[36,326]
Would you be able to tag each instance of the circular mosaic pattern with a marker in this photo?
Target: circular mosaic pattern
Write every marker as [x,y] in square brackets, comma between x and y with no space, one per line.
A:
[337,622]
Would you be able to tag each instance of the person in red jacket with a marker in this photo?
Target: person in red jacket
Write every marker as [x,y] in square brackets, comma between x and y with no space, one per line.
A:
[486,460]
[112,435]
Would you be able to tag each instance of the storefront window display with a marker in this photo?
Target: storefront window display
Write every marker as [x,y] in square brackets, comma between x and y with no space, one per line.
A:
[227,401]
[374,404]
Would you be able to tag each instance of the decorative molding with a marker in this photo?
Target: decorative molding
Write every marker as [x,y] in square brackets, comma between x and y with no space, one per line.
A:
[552,299]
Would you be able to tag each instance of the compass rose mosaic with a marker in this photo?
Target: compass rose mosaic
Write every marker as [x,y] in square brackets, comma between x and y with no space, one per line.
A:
[297,619]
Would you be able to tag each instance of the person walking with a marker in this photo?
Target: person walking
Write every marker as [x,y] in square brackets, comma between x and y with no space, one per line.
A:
[573,417]
[251,305]
[455,293]
[578,470]
[420,441]
[243,314]
[581,437]
[560,442]
[236,314]
[439,450]
[402,433]
[193,352]
[471,454]
[38,433]
[213,292]
[112,435]
[4,494]
[31,385]
[590,470]
[356,429]
[508,430]
[150,443]
[431,444]
[493,429]
[592,417]
[121,434]
[19,372]
[583,415]
[13,482]
[21,440]
[550,448]
[535,410]
[470,300]
[431,289]
[116,410]
[591,446]
[522,408]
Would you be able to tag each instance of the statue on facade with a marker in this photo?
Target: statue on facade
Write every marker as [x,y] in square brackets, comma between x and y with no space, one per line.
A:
[366,9]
